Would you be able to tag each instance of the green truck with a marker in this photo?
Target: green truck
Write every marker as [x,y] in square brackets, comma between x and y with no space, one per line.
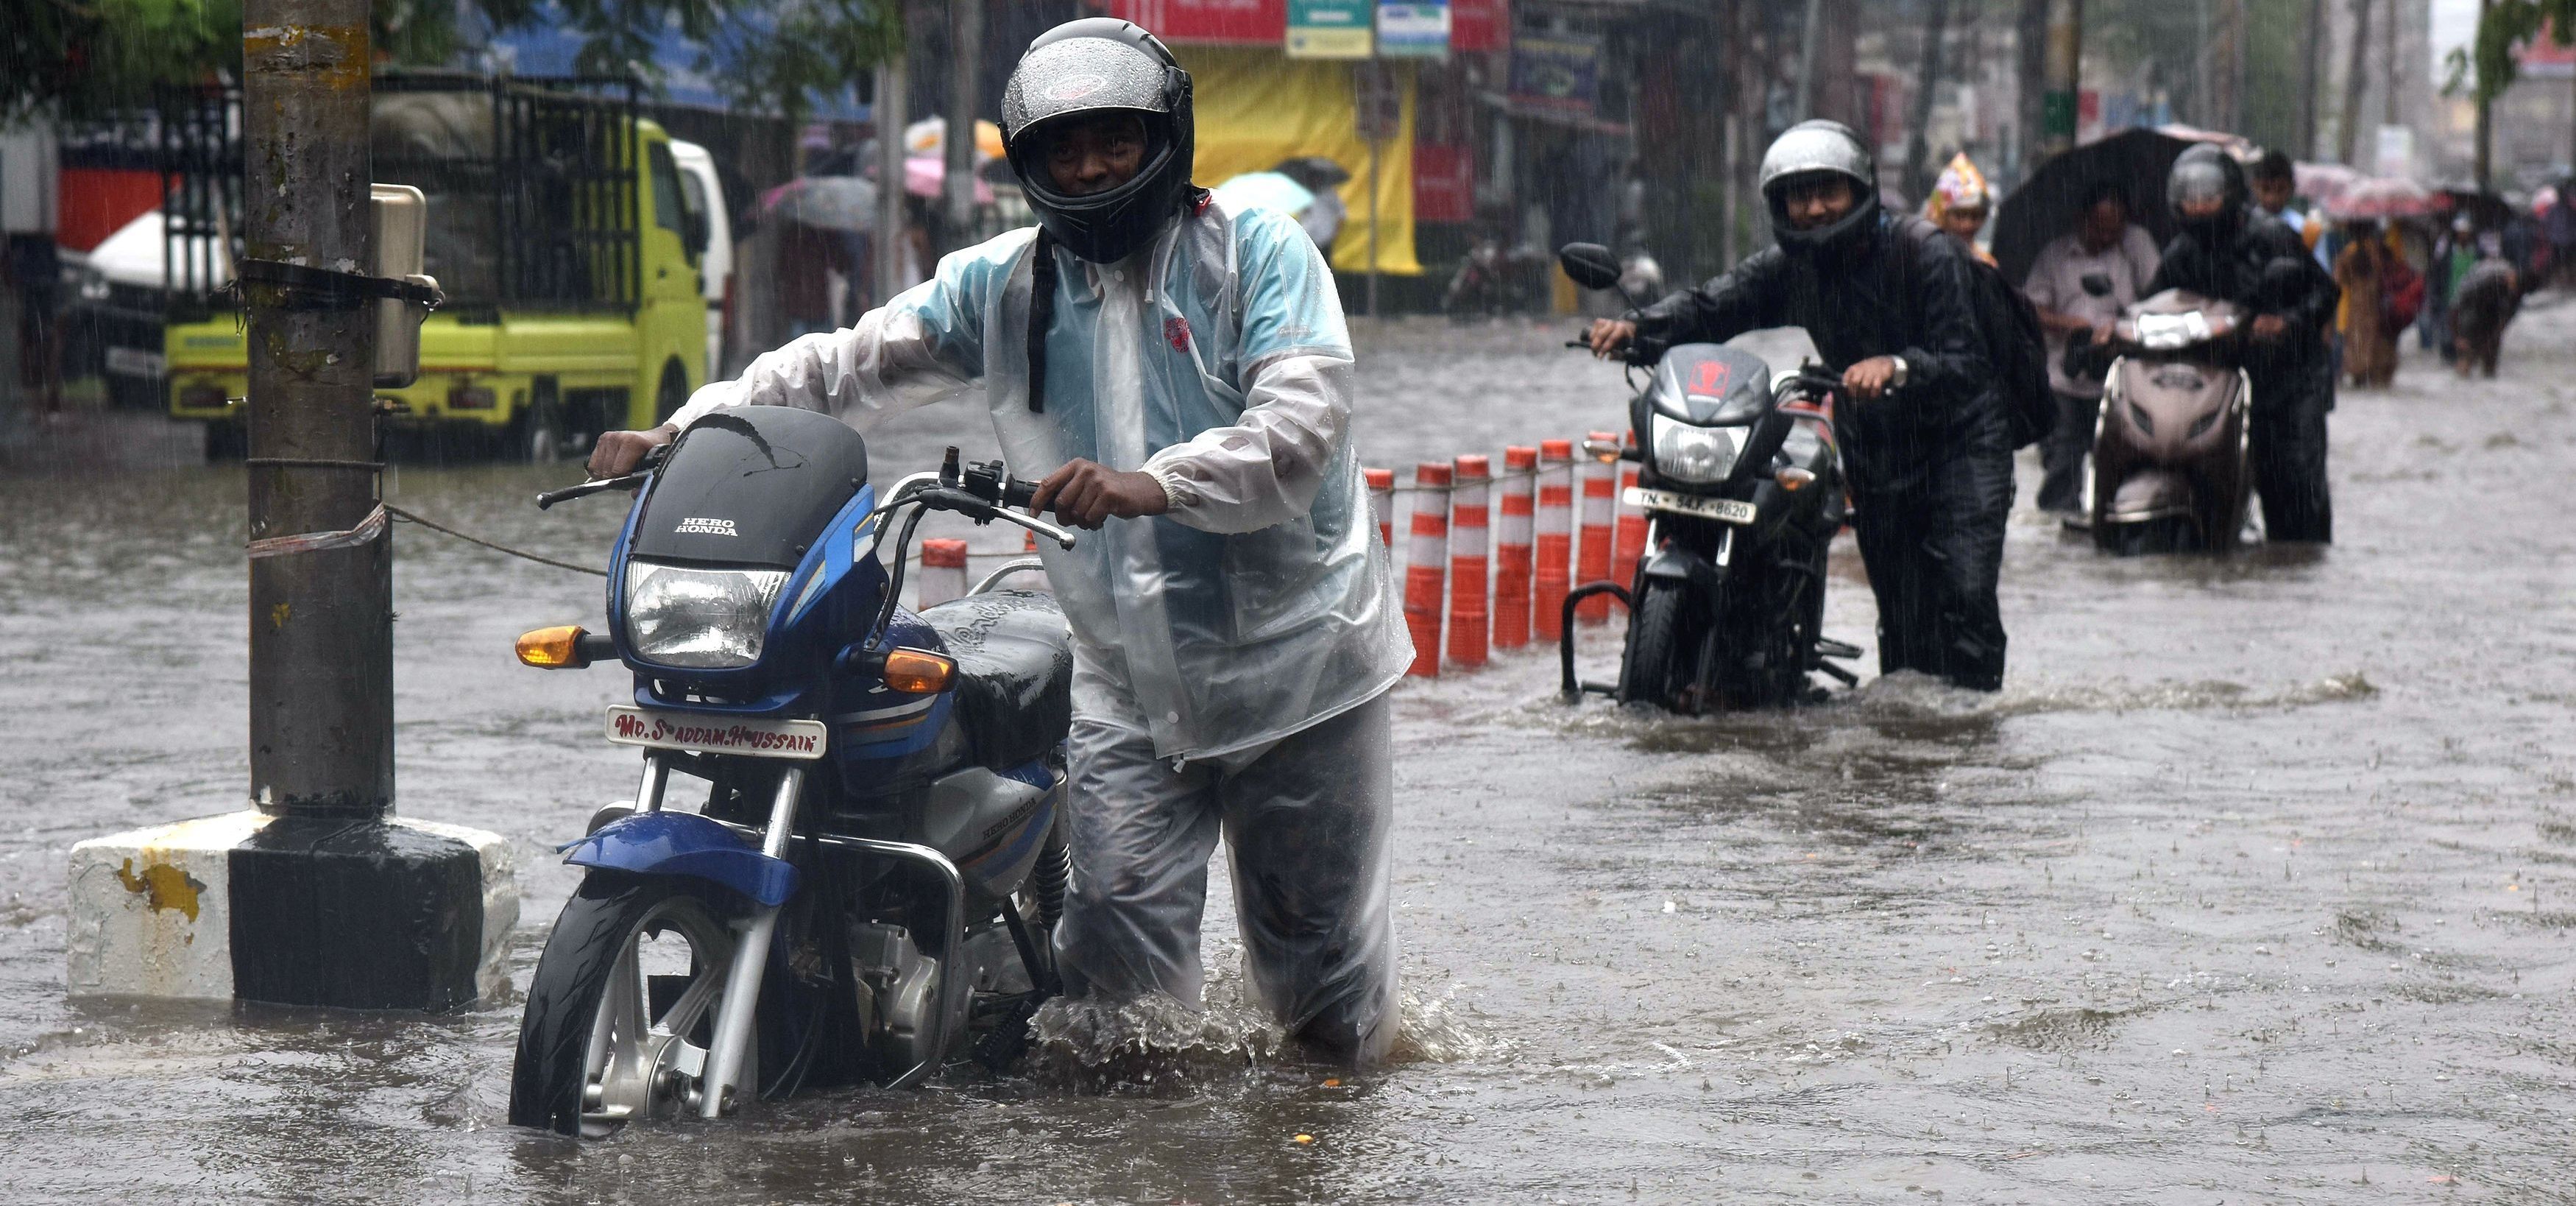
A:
[560,230]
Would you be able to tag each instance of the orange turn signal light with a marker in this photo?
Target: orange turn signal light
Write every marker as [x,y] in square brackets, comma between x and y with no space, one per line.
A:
[1791,477]
[557,648]
[918,672]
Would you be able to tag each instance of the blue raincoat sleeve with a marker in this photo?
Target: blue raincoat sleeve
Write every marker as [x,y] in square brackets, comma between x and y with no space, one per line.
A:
[1265,468]
[925,346]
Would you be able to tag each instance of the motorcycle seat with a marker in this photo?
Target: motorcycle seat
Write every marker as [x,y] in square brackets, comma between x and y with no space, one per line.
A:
[1014,687]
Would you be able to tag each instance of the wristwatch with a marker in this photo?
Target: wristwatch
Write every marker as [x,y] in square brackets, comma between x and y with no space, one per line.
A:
[1897,379]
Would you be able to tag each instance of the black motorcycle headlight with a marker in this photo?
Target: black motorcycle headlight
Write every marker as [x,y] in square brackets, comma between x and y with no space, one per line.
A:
[1696,456]
[704,619]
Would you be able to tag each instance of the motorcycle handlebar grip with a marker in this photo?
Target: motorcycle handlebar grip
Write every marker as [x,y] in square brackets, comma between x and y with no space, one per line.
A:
[1018,492]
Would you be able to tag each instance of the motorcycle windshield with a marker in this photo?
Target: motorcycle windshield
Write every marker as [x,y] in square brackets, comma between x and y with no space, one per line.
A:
[750,485]
[1709,385]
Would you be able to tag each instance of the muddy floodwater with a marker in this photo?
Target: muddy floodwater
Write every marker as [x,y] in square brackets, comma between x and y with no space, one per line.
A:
[2257,883]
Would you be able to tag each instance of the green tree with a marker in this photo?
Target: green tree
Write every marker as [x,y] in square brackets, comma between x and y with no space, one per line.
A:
[2491,61]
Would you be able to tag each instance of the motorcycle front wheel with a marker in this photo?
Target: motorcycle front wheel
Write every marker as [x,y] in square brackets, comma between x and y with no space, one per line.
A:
[1650,669]
[622,1008]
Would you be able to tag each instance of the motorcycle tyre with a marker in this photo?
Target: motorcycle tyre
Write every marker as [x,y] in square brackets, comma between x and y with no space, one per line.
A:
[547,1073]
[1648,669]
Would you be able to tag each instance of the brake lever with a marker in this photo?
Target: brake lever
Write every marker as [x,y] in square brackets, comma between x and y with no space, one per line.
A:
[594,486]
[966,503]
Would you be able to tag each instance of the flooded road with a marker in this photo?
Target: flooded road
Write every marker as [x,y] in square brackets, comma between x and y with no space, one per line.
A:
[2256,883]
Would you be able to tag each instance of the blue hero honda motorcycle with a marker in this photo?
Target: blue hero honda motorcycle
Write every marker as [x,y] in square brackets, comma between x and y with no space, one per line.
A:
[1743,491]
[875,875]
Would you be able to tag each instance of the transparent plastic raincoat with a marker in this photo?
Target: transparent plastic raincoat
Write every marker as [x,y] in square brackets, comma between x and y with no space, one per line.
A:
[1216,359]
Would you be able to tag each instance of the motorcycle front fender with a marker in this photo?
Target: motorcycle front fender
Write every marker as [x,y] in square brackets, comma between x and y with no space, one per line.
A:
[1673,562]
[680,843]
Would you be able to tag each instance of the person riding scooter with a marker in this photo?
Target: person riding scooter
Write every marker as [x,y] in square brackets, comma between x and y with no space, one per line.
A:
[2228,251]
[1926,443]
[1180,375]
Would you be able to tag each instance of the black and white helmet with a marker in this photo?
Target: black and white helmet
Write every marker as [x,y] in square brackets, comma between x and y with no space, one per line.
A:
[1809,148]
[1092,66]
[2201,174]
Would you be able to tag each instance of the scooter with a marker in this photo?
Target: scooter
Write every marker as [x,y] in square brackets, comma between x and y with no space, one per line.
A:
[873,878]
[1743,492]
[2169,471]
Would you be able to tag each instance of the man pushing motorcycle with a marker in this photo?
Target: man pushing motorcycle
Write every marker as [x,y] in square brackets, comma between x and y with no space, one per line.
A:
[2227,249]
[1926,441]
[1180,377]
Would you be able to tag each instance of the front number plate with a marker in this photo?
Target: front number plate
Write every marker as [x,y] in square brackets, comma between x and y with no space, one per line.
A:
[748,737]
[1723,510]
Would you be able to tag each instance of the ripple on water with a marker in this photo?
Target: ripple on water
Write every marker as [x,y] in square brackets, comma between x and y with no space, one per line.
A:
[1156,1045]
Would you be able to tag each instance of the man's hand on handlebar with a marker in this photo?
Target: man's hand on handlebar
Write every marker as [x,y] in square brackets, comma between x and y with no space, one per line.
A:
[1869,378]
[617,453]
[1087,494]
[1608,335]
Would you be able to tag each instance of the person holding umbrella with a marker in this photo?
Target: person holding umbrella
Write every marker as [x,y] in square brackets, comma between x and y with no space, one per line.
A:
[2080,282]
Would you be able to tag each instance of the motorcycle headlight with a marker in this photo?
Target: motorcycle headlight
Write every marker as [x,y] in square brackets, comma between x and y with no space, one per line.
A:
[707,619]
[1697,456]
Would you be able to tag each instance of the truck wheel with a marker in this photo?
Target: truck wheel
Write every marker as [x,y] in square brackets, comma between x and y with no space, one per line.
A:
[673,394]
[541,432]
[226,441]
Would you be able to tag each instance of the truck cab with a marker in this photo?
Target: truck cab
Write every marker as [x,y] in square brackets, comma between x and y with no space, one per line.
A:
[561,232]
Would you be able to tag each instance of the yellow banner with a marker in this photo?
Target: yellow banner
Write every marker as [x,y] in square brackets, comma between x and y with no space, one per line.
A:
[1257,107]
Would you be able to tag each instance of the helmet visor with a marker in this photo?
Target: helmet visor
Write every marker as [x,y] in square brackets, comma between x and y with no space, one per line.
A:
[2196,182]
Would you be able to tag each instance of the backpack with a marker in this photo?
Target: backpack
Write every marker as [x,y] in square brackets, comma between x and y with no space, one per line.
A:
[2014,345]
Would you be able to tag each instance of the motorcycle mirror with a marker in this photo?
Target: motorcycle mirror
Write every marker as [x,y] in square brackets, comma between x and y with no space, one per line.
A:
[1589,264]
[2096,284]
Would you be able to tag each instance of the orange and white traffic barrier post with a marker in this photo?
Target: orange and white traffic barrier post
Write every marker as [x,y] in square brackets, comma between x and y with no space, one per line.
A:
[1600,504]
[1427,565]
[1554,575]
[943,572]
[1381,492]
[1631,543]
[1470,564]
[1512,549]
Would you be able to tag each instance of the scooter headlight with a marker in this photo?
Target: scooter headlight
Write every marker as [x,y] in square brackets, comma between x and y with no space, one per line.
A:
[706,619]
[1697,456]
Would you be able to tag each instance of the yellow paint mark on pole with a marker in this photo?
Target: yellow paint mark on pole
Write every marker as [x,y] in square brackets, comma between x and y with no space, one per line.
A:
[162,886]
[277,615]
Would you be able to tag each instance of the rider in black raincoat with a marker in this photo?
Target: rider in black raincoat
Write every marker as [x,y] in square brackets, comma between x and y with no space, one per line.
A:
[1925,440]
[2228,250]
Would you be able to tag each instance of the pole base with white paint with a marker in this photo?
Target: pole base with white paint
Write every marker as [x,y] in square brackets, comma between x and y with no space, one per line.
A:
[301,910]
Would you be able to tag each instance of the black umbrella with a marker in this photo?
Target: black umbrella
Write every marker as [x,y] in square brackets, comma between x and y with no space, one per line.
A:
[2051,202]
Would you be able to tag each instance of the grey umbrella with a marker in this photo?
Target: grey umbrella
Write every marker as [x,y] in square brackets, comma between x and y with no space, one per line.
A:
[2049,204]
[824,203]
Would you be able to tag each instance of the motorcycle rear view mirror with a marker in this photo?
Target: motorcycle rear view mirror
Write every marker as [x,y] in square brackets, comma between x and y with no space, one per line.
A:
[2096,284]
[1590,265]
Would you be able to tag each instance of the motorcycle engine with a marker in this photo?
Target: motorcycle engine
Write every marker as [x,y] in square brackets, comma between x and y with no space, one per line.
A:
[896,1000]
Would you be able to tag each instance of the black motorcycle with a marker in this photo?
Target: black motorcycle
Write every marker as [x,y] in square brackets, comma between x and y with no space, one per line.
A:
[1743,491]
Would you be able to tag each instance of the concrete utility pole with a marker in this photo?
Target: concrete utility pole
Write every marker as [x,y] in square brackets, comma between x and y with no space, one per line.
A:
[2311,78]
[2063,68]
[2486,119]
[2227,64]
[2356,74]
[957,185]
[1810,37]
[889,114]
[1927,80]
[321,633]
[317,896]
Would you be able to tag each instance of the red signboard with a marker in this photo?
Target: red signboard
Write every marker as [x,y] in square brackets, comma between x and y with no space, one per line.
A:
[1480,25]
[94,203]
[1444,183]
[1263,22]
[1474,25]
